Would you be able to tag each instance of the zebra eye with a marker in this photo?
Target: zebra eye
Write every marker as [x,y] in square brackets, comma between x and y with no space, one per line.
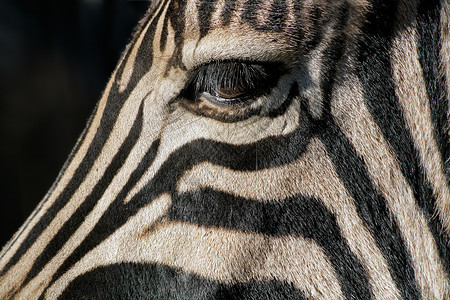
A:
[231,83]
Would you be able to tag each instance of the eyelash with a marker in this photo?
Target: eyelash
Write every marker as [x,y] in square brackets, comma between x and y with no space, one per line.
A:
[231,83]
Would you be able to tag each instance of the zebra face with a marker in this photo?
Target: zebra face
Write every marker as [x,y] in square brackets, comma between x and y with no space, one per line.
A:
[256,149]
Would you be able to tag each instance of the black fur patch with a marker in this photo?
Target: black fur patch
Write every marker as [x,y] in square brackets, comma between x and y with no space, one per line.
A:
[153,281]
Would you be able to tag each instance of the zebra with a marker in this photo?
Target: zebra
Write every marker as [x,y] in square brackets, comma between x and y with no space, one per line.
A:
[264,149]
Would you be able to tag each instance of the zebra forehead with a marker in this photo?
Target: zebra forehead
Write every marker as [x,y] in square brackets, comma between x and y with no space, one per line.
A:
[262,30]
[270,16]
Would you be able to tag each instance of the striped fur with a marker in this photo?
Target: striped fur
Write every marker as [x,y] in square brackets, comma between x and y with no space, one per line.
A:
[332,185]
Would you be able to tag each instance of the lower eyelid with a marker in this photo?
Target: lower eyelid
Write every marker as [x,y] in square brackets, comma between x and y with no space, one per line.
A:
[215,100]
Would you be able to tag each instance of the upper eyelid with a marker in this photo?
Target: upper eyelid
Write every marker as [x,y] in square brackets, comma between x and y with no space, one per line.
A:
[211,61]
[196,67]
[239,69]
[195,71]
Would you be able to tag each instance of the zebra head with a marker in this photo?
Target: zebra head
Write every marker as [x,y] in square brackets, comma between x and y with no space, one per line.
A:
[256,150]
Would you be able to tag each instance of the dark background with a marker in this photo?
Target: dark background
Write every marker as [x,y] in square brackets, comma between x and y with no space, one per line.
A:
[55,59]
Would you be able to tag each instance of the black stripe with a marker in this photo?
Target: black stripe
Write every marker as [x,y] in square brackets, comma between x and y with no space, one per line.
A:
[176,11]
[205,11]
[310,31]
[280,110]
[332,58]
[276,19]
[75,149]
[143,62]
[164,33]
[277,15]
[153,281]
[250,14]
[274,151]
[296,216]
[227,12]
[376,75]
[77,218]
[429,46]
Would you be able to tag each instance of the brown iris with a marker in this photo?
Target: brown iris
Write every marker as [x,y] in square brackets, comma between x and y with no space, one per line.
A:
[231,92]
